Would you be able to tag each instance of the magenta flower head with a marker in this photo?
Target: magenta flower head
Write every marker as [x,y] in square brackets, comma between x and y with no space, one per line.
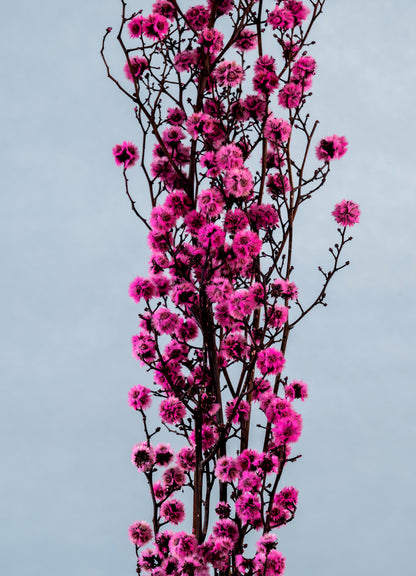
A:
[125,153]
[331,148]
[140,533]
[347,213]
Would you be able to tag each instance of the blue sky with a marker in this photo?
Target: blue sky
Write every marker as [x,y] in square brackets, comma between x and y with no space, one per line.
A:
[71,246]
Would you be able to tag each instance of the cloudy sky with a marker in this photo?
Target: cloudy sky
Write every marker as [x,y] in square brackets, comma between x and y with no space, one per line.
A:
[71,246]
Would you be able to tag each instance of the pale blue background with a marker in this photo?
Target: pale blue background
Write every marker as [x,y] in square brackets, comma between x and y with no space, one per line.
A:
[70,247]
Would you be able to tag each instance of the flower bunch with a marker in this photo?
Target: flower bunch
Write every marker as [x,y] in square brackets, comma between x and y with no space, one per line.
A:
[219,119]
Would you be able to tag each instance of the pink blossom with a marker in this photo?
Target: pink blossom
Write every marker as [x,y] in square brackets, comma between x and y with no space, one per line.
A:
[140,533]
[287,497]
[246,40]
[303,69]
[235,346]
[135,68]
[250,482]
[223,509]
[176,116]
[255,106]
[164,8]
[136,26]
[239,414]
[161,283]
[298,9]
[235,220]
[271,564]
[209,437]
[165,321]
[139,397]
[186,458]
[229,156]
[276,130]
[331,148]
[173,511]
[290,95]
[263,216]
[187,329]
[210,202]
[219,289]
[248,460]
[126,154]
[183,545]
[285,289]
[265,78]
[225,528]
[277,185]
[185,60]
[267,542]
[277,316]
[156,26]
[238,182]
[162,219]
[223,6]
[248,507]
[173,478]
[282,18]
[241,304]
[296,389]
[172,410]
[226,469]
[229,74]
[288,429]
[246,244]
[270,361]
[347,213]
[163,454]
[211,40]
[211,236]
[144,347]
[197,17]
[142,288]
[143,456]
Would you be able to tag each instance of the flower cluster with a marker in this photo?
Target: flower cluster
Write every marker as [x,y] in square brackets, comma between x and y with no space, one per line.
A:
[219,119]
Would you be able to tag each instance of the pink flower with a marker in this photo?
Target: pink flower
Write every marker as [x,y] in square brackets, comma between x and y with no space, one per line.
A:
[277,316]
[290,95]
[247,244]
[285,289]
[210,202]
[238,182]
[347,213]
[265,78]
[183,545]
[235,220]
[165,321]
[139,397]
[172,410]
[197,17]
[211,40]
[163,454]
[263,216]
[173,478]
[331,148]
[288,429]
[135,68]
[276,130]
[136,26]
[162,219]
[282,18]
[176,116]
[250,482]
[142,288]
[298,10]
[144,347]
[277,185]
[126,153]
[186,458]
[225,528]
[156,26]
[287,497]
[173,511]
[270,361]
[271,564]
[247,40]
[223,509]
[143,456]
[185,60]
[241,413]
[248,508]
[164,8]
[209,437]
[229,74]
[140,533]
[296,389]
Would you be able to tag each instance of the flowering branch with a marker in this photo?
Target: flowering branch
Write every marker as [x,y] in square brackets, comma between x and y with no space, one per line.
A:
[228,172]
